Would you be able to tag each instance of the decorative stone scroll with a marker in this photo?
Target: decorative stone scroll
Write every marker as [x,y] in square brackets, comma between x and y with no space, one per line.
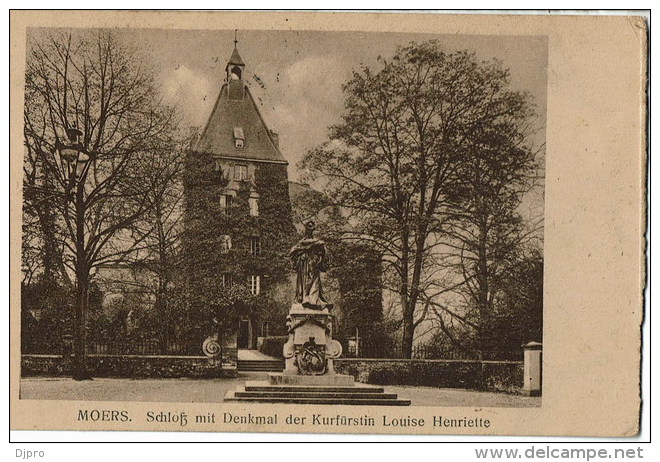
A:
[333,349]
[211,347]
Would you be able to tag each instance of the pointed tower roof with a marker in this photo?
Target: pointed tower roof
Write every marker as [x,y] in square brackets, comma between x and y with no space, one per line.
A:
[236,58]
[236,114]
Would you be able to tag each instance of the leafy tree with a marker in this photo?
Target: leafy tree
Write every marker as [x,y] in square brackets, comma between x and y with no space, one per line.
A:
[518,312]
[487,233]
[397,162]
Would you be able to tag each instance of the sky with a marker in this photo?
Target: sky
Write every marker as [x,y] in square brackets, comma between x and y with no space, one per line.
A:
[296,76]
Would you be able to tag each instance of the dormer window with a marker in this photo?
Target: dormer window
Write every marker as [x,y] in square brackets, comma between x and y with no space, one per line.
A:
[239,137]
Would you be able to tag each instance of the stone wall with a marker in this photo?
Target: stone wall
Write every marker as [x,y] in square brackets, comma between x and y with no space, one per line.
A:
[502,376]
[130,366]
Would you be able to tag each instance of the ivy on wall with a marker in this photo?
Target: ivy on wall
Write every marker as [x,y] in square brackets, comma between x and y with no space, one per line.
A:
[214,304]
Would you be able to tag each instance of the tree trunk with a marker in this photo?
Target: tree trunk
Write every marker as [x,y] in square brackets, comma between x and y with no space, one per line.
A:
[163,280]
[164,325]
[483,292]
[82,282]
[410,288]
[408,328]
[407,310]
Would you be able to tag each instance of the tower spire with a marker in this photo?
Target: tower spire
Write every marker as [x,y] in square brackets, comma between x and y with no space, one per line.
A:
[234,70]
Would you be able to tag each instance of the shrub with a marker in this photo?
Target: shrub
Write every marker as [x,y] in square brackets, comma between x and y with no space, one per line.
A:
[272,346]
[429,373]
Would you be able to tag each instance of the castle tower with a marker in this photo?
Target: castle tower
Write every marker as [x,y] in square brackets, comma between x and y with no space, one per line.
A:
[239,224]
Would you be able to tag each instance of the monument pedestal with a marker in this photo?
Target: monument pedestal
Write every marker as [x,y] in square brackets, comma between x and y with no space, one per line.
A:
[310,349]
[309,376]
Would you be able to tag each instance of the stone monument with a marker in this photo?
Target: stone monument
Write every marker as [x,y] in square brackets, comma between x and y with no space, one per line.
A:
[309,375]
[310,350]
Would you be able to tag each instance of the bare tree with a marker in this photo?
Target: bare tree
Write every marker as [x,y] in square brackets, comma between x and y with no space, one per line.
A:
[42,253]
[93,82]
[158,229]
[397,162]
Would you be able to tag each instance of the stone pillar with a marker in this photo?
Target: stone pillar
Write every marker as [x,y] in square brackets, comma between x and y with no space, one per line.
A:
[533,368]
[222,351]
[67,345]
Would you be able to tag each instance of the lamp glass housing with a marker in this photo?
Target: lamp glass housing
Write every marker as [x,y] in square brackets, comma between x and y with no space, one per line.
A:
[69,154]
[81,163]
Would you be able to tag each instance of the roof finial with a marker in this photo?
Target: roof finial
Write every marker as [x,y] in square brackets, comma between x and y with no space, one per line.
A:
[235,38]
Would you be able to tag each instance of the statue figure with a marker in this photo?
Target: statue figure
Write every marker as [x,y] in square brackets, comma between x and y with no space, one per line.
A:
[308,258]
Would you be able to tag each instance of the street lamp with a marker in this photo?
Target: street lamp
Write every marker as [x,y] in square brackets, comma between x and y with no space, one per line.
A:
[73,161]
[72,158]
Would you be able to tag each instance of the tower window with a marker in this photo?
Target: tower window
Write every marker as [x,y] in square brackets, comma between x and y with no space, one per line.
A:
[226,279]
[240,172]
[254,284]
[255,246]
[254,206]
[237,72]
[220,174]
[226,200]
[239,137]
[225,243]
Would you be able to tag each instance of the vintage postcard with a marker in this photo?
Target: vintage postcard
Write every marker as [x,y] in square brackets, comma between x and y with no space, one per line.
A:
[327,222]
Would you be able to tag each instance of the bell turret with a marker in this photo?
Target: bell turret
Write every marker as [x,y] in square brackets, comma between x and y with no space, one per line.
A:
[234,71]
[235,66]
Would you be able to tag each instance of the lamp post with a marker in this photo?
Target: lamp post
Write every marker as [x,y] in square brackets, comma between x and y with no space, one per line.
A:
[73,161]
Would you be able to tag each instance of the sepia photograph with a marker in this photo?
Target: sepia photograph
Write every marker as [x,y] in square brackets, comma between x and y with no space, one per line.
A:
[244,219]
[299,217]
